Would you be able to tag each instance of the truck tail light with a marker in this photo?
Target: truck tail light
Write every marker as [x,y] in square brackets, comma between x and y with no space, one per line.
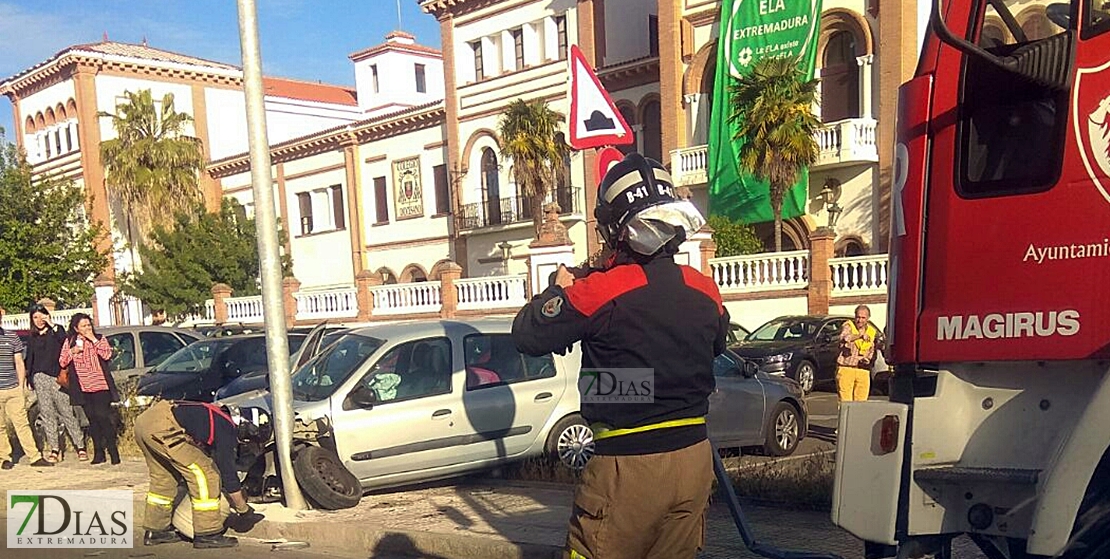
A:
[888,434]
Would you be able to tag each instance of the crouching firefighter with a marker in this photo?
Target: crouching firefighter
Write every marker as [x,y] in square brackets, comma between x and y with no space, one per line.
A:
[645,492]
[198,443]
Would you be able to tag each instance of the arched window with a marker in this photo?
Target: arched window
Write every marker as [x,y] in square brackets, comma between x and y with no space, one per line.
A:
[840,87]
[992,36]
[653,131]
[491,186]
[1038,26]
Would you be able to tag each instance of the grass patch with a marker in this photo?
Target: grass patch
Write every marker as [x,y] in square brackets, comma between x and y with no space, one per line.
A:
[126,426]
[804,481]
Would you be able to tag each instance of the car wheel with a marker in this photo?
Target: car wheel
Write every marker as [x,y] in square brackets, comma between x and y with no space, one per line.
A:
[806,375]
[783,431]
[325,480]
[571,441]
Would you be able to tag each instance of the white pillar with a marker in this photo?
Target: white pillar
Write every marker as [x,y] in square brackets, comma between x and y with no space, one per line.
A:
[866,69]
[544,261]
[103,301]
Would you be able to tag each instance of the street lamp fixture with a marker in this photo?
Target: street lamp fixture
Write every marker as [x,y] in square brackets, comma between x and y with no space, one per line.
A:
[829,195]
[506,251]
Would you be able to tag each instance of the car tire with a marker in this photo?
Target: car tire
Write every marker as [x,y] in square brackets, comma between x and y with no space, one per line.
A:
[570,442]
[784,431]
[324,479]
[806,375]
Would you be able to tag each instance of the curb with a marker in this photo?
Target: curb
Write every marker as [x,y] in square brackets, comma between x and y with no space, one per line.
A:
[373,540]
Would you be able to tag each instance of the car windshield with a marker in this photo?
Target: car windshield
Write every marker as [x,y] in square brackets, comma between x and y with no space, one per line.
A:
[194,357]
[786,329]
[318,378]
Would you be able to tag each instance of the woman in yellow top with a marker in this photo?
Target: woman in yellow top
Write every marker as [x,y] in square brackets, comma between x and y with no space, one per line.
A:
[857,356]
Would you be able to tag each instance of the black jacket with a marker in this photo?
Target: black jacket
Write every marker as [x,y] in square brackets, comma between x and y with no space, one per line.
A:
[656,315]
[43,351]
[214,432]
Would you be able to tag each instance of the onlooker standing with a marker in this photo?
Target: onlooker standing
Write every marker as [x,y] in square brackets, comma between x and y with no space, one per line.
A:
[86,353]
[44,346]
[13,400]
[857,356]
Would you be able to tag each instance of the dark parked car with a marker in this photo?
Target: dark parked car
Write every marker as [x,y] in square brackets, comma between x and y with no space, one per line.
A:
[736,333]
[260,379]
[803,348]
[198,370]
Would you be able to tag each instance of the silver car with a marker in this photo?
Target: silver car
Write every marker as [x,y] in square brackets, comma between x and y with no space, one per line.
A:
[418,401]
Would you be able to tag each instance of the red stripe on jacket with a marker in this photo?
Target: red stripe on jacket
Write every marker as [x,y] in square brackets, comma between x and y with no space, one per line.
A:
[705,284]
[589,294]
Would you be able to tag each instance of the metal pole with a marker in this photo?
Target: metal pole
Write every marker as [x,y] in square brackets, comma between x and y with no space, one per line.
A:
[277,344]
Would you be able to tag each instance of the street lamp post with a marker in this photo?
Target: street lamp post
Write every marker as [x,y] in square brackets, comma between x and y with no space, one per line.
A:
[829,195]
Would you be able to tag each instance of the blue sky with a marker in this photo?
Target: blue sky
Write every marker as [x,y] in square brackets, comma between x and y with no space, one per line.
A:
[301,39]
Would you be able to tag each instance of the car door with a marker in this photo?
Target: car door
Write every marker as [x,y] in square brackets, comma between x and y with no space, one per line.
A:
[507,397]
[736,406]
[125,363]
[415,420]
[310,347]
[827,348]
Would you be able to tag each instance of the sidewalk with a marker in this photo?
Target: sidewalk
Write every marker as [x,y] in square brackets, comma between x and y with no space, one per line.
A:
[461,518]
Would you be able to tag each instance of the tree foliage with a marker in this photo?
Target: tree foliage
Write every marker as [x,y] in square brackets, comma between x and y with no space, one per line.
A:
[199,250]
[151,166]
[529,132]
[773,105]
[47,248]
[734,238]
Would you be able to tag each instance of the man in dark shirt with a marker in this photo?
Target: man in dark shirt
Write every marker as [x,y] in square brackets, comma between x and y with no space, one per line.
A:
[196,442]
[13,401]
[641,318]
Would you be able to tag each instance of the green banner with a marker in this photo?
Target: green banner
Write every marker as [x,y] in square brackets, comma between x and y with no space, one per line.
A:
[750,30]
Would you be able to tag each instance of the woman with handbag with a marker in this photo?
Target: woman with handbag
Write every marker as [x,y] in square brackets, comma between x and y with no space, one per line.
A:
[85,356]
[44,346]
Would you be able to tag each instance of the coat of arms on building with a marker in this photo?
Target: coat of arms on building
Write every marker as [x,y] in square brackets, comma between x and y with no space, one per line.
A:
[406,182]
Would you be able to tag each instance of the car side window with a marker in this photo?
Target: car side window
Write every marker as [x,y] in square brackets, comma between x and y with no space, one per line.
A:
[412,370]
[157,346]
[244,357]
[493,360]
[123,351]
[832,329]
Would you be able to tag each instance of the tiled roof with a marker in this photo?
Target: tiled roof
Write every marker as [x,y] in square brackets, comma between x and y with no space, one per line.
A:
[414,49]
[148,53]
[310,91]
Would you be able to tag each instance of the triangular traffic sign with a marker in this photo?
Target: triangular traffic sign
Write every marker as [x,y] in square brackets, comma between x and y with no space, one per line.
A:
[594,119]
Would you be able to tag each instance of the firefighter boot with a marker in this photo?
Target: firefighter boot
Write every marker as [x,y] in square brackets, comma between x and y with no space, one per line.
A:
[214,541]
[155,537]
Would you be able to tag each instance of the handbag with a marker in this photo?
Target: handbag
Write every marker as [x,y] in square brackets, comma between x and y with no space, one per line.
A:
[63,378]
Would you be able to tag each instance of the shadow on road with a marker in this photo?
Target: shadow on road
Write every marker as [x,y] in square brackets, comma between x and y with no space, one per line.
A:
[825,434]
[400,544]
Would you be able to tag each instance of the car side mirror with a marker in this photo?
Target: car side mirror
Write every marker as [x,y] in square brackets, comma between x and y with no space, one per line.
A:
[361,397]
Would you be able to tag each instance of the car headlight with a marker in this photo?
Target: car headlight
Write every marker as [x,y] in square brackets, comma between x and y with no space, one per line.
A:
[139,401]
[780,358]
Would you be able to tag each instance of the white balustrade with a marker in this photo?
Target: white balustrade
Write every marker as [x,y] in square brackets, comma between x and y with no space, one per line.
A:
[688,165]
[860,275]
[337,303]
[245,309]
[407,298]
[209,310]
[22,321]
[492,292]
[848,141]
[761,272]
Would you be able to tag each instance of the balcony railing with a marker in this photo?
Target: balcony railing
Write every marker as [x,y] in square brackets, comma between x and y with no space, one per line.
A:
[845,142]
[339,303]
[515,209]
[860,275]
[407,298]
[492,292]
[762,272]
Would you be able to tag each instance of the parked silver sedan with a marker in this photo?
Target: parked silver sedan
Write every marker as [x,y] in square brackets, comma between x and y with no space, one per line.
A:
[418,401]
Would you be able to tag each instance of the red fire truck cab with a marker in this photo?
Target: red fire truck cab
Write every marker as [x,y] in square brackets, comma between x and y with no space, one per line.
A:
[998,422]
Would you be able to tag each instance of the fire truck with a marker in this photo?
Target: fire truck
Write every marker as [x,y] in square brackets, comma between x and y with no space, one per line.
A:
[998,422]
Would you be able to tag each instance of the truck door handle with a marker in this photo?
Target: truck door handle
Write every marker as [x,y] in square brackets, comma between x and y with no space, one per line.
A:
[441,413]
[543,397]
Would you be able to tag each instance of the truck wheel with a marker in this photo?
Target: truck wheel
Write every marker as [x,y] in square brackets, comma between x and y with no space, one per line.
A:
[1091,535]
[326,482]
[783,431]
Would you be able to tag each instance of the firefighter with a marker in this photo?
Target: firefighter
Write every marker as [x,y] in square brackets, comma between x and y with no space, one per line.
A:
[197,443]
[645,492]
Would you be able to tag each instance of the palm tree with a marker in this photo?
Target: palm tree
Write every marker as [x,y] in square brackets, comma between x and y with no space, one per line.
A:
[151,166]
[773,106]
[529,135]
